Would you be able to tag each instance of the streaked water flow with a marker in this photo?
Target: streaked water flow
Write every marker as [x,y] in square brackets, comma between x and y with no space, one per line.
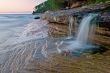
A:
[34,45]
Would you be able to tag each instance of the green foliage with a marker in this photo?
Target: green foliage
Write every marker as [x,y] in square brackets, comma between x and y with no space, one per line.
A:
[58,4]
[53,5]
[41,8]
[49,5]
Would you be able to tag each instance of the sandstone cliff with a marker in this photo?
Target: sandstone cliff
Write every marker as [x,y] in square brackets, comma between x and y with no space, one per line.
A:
[59,20]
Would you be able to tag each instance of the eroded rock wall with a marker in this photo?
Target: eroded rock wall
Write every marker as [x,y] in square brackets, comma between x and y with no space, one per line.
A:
[59,22]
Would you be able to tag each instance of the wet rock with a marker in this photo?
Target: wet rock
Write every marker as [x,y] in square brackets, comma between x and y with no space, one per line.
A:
[56,30]
[61,29]
[37,18]
[105,17]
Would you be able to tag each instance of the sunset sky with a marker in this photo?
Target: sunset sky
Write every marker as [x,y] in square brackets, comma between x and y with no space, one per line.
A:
[18,6]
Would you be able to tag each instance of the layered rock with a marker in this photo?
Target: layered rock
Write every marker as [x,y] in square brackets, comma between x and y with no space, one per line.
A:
[56,30]
[102,34]
[59,21]
[58,16]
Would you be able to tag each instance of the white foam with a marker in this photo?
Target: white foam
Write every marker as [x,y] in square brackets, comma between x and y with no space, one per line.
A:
[33,30]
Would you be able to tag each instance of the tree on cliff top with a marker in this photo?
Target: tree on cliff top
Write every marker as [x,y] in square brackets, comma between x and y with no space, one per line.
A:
[49,5]
[59,4]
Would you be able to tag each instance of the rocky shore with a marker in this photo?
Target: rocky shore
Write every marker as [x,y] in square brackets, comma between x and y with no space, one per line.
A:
[59,21]
[27,58]
[41,55]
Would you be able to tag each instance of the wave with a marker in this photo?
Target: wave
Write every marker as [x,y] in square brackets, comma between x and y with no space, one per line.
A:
[35,30]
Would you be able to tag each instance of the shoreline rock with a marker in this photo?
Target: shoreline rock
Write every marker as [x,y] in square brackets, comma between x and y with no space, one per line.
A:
[59,22]
[61,16]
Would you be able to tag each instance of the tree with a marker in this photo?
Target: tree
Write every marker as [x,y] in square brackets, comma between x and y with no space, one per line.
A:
[49,5]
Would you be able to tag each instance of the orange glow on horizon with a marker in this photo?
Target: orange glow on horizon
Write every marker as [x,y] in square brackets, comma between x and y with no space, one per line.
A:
[16,6]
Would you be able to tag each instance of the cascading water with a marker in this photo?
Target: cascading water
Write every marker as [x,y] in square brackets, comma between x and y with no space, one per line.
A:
[81,39]
[85,28]
[83,33]
[71,20]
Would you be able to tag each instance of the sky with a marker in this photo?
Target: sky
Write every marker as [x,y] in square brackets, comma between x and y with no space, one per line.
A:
[18,6]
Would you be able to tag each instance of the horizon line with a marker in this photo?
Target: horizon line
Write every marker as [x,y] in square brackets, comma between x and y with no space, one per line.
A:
[15,12]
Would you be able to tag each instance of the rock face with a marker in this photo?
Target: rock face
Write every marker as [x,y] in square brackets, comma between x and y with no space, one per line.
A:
[105,17]
[102,34]
[59,21]
[56,30]
[58,16]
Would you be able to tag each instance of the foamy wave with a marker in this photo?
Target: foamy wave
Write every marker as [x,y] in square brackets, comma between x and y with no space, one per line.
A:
[35,30]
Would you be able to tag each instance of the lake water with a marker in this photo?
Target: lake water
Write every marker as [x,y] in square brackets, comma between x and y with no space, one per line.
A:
[16,28]
[19,40]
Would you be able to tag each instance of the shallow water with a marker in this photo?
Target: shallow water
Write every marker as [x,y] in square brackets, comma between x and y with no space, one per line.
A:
[25,40]
[18,28]
[18,41]
[11,26]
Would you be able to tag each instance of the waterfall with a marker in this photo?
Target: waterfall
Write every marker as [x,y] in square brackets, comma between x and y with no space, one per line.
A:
[84,29]
[71,21]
